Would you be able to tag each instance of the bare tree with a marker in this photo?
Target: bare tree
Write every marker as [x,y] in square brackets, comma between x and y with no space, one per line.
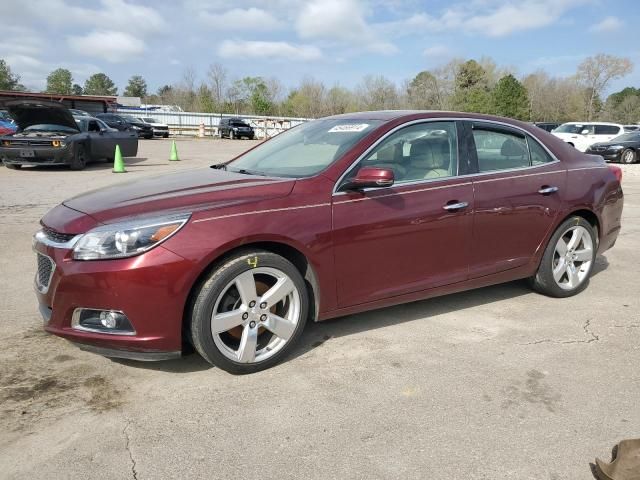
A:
[595,74]
[377,93]
[218,77]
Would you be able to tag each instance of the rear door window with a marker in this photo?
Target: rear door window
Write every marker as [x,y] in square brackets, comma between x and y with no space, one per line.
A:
[607,130]
[500,149]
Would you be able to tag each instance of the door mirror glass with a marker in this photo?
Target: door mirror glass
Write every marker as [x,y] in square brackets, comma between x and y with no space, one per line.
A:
[371,177]
[584,132]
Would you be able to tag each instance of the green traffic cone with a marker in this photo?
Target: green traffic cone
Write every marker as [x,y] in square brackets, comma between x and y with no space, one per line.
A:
[174,152]
[118,163]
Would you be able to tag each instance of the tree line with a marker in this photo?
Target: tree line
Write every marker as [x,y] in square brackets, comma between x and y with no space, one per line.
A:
[464,85]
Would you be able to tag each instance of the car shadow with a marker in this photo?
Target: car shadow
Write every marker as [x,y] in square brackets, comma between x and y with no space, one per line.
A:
[317,333]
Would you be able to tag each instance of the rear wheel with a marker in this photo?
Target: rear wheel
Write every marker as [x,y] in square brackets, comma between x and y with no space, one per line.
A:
[629,156]
[231,135]
[79,161]
[250,312]
[568,259]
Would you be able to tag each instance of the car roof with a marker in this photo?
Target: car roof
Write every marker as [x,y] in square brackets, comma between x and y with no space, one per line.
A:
[593,123]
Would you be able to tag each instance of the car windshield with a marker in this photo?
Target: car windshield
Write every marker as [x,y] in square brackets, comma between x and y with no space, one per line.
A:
[49,127]
[628,137]
[237,123]
[304,150]
[570,128]
[150,120]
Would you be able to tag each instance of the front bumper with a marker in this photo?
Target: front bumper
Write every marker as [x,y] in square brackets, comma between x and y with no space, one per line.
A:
[42,155]
[608,156]
[151,289]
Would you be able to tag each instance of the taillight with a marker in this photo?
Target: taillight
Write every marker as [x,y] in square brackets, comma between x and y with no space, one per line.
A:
[617,171]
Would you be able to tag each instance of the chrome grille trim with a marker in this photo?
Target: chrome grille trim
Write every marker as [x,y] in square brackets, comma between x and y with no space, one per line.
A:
[43,238]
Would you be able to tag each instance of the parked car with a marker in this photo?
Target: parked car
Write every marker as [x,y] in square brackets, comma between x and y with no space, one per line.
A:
[631,128]
[123,123]
[235,128]
[7,125]
[48,134]
[159,129]
[624,148]
[583,134]
[333,217]
[548,126]
[79,113]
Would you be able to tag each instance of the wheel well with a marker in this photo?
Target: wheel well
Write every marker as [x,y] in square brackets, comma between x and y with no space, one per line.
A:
[296,257]
[590,217]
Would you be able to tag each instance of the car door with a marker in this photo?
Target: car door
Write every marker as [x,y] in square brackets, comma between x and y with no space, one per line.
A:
[414,235]
[126,139]
[518,191]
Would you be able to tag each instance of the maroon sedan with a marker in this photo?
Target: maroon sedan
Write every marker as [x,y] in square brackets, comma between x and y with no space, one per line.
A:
[335,216]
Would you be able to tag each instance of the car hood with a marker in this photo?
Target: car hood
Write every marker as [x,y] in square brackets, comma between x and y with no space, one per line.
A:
[34,112]
[190,191]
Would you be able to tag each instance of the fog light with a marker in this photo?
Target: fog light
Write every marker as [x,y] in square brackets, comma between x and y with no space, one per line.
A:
[101,321]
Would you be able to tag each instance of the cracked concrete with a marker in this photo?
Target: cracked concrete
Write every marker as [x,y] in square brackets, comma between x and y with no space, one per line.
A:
[591,337]
[127,447]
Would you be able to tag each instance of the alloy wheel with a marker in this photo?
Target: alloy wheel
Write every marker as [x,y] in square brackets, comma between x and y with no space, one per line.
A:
[255,315]
[629,156]
[572,258]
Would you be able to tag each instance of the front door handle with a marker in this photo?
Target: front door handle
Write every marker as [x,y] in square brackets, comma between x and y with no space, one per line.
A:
[452,207]
[546,190]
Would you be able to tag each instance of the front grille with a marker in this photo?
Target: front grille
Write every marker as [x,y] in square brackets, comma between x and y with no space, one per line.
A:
[30,143]
[44,273]
[57,237]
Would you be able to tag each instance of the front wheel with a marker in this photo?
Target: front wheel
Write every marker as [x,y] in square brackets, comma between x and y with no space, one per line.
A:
[79,161]
[250,312]
[568,259]
[232,135]
[628,156]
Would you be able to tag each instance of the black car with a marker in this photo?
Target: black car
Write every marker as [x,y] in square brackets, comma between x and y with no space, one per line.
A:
[123,122]
[624,148]
[235,128]
[48,134]
[548,126]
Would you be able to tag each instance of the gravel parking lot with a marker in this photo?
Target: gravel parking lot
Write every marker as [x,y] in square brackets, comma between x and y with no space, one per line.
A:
[495,383]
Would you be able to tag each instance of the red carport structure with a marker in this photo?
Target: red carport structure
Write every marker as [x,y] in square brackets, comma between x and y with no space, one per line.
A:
[89,103]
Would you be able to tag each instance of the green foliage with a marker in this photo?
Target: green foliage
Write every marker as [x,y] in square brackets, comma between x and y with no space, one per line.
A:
[99,84]
[137,87]
[8,79]
[471,75]
[472,93]
[510,98]
[60,81]
[77,89]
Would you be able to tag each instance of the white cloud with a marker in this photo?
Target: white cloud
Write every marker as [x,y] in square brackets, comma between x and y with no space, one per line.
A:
[340,21]
[241,19]
[112,46]
[491,18]
[609,24]
[272,50]
[113,14]
[437,51]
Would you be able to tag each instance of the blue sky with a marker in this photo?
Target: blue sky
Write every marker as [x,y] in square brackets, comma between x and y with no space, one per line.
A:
[336,41]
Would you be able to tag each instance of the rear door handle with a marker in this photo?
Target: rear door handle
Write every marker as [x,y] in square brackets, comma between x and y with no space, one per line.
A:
[545,190]
[455,206]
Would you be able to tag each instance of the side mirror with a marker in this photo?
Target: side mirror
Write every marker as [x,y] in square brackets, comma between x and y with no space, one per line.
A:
[370,177]
[584,132]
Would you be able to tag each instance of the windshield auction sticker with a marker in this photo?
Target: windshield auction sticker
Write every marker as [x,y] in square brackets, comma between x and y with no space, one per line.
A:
[351,127]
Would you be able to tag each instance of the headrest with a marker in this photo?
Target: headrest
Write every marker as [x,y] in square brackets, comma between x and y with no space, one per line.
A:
[426,153]
[386,154]
[511,148]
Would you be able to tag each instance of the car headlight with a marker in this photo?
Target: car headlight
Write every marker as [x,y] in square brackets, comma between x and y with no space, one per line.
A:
[127,239]
[616,147]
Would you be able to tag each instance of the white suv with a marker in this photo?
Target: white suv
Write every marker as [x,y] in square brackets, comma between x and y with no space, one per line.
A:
[584,134]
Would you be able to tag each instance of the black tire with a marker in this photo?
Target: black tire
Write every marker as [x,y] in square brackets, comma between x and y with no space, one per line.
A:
[79,161]
[166,135]
[232,135]
[213,286]
[629,156]
[13,166]
[544,281]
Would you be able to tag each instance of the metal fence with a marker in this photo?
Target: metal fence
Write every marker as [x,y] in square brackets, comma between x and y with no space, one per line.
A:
[188,123]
